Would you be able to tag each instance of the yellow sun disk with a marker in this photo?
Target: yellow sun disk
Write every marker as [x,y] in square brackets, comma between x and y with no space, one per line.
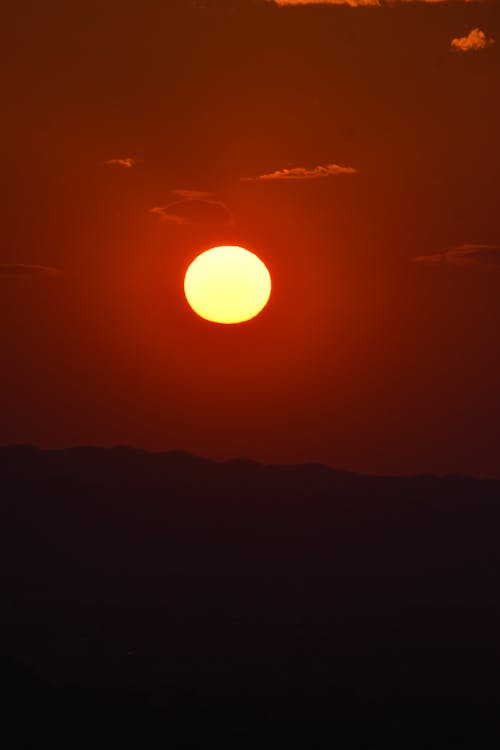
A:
[227,284]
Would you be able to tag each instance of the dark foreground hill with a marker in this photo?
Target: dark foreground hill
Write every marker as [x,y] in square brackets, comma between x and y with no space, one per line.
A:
[168,597]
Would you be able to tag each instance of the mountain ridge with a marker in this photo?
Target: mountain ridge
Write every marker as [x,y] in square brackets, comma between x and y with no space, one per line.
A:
[10,451]
[126,567]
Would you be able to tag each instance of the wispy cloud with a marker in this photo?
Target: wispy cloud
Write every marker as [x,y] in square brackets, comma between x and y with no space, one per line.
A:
[195,194]
[485,256]
[193,210]
[364,3]
[303,173]
[20,270]
[126,163]
[352,3]
[474,41]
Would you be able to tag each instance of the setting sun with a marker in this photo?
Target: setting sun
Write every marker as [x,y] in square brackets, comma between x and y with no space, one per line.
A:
[227,284]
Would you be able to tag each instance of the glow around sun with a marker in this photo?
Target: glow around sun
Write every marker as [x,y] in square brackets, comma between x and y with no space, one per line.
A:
[227,284]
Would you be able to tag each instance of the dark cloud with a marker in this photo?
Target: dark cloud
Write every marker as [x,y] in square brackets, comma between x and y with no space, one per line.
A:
[195,194]
[227,4]
[19,270]
[485,256]
[193,210]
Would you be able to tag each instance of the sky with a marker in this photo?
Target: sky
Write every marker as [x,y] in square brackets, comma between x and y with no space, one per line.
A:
[354,149]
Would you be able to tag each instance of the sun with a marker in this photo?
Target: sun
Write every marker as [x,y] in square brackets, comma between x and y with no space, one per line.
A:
[227,284]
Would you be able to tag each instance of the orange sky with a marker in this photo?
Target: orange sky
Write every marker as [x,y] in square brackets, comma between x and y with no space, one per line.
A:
[355,150]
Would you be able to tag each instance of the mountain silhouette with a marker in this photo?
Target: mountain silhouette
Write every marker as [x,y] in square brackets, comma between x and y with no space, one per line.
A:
[123,570]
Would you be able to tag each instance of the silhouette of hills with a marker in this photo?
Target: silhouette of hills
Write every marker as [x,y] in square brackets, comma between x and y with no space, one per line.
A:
[246,591]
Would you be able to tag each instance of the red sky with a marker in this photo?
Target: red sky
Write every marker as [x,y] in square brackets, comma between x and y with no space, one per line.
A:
[355,150]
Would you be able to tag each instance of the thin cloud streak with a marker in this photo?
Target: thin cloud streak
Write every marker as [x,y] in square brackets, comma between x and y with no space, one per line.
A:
[471,256]
[366,3]
[126,163]
[303,173]
[195,194]
[474,41]
[26,270]
[193,211]
[352,3]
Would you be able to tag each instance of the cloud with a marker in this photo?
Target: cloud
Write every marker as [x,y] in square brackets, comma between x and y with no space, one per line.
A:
[200,194]
[193,210]
[304,173]
[363,3]
[484,256]
[127,162]
[475,40]
[20,270]
[352,3]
